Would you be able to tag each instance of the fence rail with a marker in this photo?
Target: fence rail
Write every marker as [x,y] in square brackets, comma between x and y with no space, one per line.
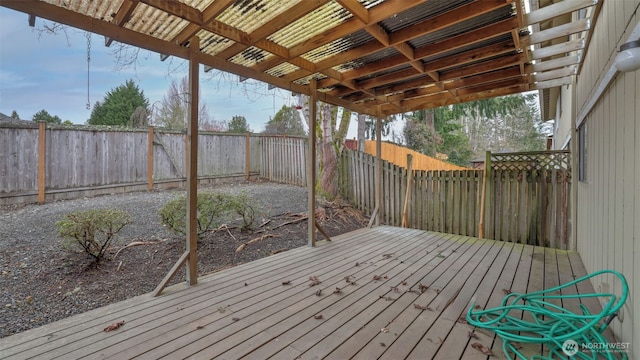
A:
[527,204]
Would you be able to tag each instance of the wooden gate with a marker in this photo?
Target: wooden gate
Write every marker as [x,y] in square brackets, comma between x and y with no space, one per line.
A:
[527,198]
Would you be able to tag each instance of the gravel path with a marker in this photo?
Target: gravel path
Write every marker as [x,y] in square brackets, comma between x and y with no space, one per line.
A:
[31,224]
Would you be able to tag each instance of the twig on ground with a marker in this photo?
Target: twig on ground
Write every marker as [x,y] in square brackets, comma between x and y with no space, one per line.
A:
[290,222]
[135,243]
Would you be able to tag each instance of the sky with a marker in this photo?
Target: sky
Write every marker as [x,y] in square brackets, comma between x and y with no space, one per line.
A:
[44,71]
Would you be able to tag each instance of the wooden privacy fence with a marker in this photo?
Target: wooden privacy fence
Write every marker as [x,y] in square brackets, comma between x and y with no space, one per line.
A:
[39,160]
[283,159]
[397,154]
[526,196]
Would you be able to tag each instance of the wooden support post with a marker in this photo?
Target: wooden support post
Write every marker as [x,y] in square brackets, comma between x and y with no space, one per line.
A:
[484,201]
[378,182]
[42,160]
[405,209]
[247,155]
[150,159]
[311,164]
[192,171]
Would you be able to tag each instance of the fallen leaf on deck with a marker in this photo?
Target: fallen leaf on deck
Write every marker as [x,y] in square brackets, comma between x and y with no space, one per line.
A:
[235,319]
[472,335]
[377,277]
[387,256]
[318,317]
[395,289]
[404,283]
[422,288]
[384,330]
[485,350]
[420,307]
[357,264]
[383,344]
[199,327]
[506,291]
[288,282]
[314,281]
[114,326]
[337,291]
[221,309]
[319,292]
[245,284]
[477,307]
[462,320]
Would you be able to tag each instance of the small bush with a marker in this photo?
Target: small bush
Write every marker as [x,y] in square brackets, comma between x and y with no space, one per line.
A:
[211,208]
[240,205]
[92,230]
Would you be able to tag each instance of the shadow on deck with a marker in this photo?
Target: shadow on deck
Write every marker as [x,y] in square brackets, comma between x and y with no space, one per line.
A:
[386,292]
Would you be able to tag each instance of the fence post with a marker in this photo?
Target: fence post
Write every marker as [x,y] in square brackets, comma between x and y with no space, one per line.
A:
[42,161]
[186,154]
[406,196]
[150,160]
[484,200]
[247,154]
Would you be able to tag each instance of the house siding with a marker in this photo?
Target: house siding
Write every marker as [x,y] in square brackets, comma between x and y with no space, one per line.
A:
[608,202]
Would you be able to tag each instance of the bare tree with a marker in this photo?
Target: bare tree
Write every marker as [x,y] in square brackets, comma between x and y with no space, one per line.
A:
[173,110]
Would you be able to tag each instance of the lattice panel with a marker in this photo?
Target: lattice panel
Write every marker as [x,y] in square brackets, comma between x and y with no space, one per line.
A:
[548,160]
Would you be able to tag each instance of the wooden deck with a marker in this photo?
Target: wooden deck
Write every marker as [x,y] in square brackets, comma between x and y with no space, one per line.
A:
[249,312]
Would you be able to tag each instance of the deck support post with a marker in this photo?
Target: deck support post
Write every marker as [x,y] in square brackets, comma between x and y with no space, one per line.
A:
[311,164]
[378,182]
[192,164]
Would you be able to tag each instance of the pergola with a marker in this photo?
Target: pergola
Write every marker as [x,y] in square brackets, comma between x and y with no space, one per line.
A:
[375,57]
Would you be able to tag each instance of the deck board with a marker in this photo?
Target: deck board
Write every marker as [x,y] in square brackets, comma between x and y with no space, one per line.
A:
[247,312]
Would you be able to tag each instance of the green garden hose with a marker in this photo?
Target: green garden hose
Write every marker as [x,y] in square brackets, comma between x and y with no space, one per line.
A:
[531,318]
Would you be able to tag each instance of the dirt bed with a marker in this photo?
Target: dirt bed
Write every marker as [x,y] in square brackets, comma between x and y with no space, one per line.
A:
[41,282]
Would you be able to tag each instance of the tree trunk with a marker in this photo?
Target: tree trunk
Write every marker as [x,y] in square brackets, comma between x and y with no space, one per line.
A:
[361,130]
[328,178]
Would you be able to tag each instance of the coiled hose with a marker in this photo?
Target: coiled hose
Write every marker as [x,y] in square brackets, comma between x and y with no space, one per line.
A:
[561,330]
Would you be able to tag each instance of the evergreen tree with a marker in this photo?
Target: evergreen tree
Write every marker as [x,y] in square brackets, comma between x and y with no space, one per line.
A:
[43,115]
[118,105]
[14,115]
[286,121]
[238,124]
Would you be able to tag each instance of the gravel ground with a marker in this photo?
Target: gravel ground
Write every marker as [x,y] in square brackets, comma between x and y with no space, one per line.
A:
[42,283]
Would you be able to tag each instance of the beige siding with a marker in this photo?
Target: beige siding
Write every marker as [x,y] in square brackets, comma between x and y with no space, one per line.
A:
[608,211]
[564,113]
